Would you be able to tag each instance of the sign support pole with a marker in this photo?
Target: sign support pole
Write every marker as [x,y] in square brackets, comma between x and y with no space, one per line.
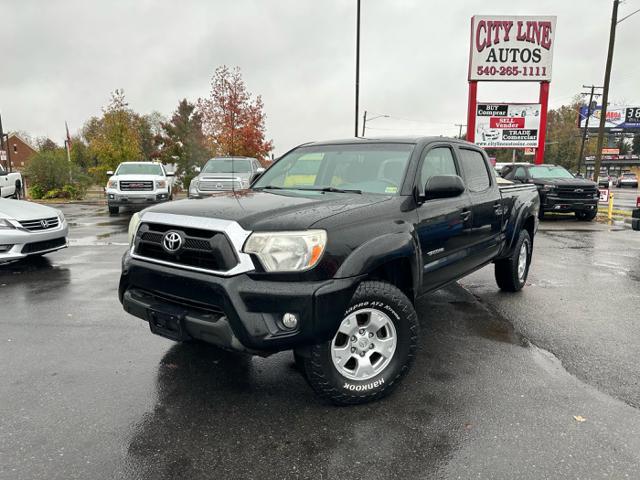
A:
[471,111]
[542,134]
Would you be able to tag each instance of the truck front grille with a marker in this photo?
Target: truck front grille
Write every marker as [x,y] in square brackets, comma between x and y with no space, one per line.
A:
[576,192]
[213,185]
[203,249]
[136,186]
[41,224]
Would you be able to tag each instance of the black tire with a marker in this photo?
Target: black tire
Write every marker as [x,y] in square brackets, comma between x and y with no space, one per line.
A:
[17,194]
[540,214]
[506,270]
[586,215]
[114,210]
[331,384]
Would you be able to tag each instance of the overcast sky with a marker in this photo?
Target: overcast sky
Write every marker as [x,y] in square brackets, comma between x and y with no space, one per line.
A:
[62,58]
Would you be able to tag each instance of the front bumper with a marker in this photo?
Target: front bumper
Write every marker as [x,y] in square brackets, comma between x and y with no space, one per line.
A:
[116,198]
[18,244]
[240,312]
[553,203]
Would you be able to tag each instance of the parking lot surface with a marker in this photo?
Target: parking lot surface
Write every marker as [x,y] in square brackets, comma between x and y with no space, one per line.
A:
[540,384]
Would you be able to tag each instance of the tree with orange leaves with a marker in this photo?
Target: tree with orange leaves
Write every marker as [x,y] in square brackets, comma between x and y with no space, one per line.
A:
[232,120]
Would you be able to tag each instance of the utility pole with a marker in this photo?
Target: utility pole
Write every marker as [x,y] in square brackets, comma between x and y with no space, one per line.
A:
[605,91]
[460,125]
[357,68]
[364,122]
[586,123]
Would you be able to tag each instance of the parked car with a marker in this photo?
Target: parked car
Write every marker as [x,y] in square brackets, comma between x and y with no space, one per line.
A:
[604,180]
[628,179]
[28,229]
[500,165]
[138,184]
[330,267]
[225,173]
[559,191]
[11,184]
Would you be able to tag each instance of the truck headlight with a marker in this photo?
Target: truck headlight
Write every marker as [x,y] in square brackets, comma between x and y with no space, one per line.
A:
[112,184]
[161,184]
[133,227]
[61,217]
[548,188]
[287,251]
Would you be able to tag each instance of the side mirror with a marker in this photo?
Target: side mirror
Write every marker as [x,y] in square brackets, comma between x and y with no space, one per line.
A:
[171,174]
[443,186]
[109,172]
[197,169]
[260,170]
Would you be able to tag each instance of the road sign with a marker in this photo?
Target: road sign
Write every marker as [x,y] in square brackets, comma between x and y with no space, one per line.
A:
[604,195]
[610,151]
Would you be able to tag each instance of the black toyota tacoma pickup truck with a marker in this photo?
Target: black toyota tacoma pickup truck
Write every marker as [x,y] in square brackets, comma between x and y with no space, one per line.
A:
[326,253]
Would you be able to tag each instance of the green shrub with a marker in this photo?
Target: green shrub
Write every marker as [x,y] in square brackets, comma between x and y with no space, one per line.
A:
[49,175]
[36,192]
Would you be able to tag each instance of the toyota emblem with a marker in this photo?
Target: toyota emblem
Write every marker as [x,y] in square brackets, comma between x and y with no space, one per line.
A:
[579,190]
[172,242]
[44,223]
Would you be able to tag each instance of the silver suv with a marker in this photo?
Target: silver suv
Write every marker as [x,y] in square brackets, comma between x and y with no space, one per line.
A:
[225,173]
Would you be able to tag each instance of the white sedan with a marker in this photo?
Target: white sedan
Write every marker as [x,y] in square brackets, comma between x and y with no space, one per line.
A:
[28,229]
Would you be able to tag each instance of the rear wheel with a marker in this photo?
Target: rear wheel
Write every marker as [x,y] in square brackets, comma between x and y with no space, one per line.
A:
[114,210]
[511,273]
[373,349]
[541,214]
[17,194]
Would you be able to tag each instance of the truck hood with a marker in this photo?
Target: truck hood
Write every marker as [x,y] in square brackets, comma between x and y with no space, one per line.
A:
[21,210]
[134,177]
[565,182]
[259,210]
[224,176]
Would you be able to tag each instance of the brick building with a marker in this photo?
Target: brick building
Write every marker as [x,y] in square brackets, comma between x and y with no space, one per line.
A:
[19,152]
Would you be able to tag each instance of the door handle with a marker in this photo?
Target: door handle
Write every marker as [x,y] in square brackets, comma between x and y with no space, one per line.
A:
[465,215]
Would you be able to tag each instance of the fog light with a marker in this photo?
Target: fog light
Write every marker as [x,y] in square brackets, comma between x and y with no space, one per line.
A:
[290,320]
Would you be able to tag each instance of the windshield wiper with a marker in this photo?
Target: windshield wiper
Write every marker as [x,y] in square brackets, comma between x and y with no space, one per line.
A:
[332,190]
[323,189]
[271,187]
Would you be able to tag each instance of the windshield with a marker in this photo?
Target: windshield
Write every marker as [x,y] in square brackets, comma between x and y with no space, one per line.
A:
[549,172]
[371,168]
[139,169]
[227,165]
[629,175]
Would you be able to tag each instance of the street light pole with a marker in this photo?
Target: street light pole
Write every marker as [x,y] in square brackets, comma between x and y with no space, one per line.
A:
[364,120]
[605,91]
[357,68]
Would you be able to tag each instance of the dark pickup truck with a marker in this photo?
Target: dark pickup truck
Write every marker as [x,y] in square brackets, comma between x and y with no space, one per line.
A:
[560,191]
[326,254]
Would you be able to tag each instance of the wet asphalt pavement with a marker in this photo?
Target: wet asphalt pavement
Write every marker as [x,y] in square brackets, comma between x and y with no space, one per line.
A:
[86,391]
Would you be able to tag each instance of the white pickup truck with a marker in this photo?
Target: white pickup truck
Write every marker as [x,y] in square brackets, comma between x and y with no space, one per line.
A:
[138,184]
[10,184]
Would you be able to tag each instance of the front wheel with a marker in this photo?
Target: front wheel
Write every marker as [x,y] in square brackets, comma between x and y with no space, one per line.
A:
[114,210]
[586,216]
[512,272]
[373,349]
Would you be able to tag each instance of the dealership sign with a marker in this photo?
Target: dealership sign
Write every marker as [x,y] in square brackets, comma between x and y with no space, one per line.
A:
[512,48]
[624,118]
[507,125]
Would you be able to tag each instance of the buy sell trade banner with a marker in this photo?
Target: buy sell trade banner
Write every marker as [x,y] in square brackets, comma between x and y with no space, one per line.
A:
[507,125]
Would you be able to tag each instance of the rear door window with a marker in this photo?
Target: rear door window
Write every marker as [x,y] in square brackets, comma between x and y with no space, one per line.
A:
[476,174]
